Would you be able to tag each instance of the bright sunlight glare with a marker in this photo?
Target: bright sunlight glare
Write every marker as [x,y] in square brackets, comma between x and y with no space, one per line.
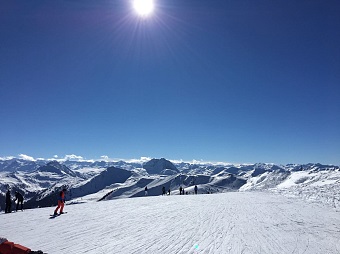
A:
[143,7]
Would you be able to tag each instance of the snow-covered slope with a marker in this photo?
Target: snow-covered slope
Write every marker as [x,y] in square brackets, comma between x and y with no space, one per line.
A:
[105,179]
[235,222]
[312,184]
[321,187]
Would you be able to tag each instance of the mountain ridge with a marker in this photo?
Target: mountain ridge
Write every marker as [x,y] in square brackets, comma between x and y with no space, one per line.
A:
[92,181]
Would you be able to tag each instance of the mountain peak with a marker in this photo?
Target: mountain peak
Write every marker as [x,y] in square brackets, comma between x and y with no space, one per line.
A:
[57,168]
[55,164]
[160,166]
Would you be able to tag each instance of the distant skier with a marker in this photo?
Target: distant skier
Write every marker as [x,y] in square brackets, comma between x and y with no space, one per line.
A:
[196,189]
[8,202]
[169,192]
[20,199]
[61,202]
[180,190]
[146,190]
[163,191]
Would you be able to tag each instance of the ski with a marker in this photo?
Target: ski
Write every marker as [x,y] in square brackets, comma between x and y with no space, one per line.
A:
[56,215]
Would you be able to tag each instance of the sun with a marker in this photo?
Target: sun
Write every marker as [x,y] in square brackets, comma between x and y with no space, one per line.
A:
[143,7]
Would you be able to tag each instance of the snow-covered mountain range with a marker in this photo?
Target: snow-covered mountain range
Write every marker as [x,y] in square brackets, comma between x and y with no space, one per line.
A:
[41,180]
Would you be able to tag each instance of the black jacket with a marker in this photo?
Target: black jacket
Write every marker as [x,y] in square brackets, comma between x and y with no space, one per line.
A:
[19,197]
[8,196]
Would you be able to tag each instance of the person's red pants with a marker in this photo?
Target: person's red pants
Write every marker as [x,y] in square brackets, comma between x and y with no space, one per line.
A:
[60,205]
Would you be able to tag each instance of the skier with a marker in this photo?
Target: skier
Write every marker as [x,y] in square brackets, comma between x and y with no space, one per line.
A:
[169,192]
[8,202]
[180,190]
[146,190]
[61,202]
[163,191]
[195,189]
[20,199]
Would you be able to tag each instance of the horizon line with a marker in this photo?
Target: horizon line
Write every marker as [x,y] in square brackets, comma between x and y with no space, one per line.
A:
[141,160]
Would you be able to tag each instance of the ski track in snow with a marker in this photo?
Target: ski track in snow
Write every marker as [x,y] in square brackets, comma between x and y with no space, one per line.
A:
[235,222]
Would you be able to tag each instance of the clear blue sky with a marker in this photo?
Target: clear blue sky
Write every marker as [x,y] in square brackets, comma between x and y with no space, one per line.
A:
[221,80]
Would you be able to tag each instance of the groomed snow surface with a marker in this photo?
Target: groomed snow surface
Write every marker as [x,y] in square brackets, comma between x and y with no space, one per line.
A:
[235,222]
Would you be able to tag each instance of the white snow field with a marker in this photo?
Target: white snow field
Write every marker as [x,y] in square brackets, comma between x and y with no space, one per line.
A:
[234,222]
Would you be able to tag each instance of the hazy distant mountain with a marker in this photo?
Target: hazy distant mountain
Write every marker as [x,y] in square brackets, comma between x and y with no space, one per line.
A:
[14,164]
[57,168]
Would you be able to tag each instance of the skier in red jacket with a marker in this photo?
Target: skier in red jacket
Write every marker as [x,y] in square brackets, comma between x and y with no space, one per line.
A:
[61,202]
